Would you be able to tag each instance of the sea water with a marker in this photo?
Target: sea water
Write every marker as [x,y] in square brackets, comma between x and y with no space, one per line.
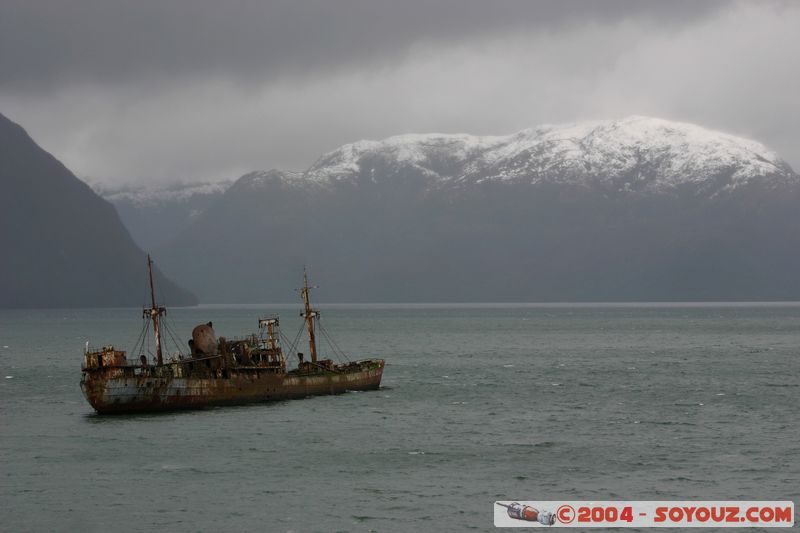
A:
[477,404]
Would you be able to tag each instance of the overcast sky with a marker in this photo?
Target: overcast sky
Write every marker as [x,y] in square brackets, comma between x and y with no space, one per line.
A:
[197,90]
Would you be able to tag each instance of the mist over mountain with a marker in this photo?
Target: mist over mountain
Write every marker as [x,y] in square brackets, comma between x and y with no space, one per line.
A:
[156,216]
[635,209]
[62,245]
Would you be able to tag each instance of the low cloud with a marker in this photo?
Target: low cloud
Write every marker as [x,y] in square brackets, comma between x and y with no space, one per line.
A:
[731,68]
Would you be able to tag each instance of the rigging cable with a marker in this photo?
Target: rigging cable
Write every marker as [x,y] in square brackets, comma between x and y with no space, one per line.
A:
[335,347]
[172,336]
[140,340]
[293,345]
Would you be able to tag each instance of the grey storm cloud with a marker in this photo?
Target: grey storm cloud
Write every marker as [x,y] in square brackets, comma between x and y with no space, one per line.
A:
[44,43]
[186,90]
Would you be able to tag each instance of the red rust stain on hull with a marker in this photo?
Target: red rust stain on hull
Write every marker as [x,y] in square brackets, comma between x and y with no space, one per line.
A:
[118,394]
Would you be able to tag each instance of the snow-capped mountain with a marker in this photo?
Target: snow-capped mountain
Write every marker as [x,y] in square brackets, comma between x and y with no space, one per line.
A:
[634,209]
[632,154]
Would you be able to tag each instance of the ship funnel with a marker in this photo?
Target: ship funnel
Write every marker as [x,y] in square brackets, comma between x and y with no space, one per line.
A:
[204,340]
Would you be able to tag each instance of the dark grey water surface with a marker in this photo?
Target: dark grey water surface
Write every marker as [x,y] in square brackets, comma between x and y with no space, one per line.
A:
[636,402]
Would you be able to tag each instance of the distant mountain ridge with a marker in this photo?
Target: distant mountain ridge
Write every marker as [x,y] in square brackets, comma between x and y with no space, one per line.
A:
[62,245]
[156,215]
[637,153]
[633,209]
[175,192]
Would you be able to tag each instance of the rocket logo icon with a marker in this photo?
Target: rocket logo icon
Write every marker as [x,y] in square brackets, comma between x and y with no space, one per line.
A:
[529,514]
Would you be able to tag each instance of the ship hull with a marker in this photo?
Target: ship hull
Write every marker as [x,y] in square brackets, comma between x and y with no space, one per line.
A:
[111,392]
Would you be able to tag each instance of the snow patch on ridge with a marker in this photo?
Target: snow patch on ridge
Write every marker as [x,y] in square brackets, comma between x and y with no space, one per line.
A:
[646,153]
[140,197]
[261,178]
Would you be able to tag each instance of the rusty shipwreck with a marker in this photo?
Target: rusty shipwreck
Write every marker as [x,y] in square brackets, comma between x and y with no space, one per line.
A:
[217,371]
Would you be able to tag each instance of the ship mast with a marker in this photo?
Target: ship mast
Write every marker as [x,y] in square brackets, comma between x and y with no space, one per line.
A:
[309,314]
[154,313]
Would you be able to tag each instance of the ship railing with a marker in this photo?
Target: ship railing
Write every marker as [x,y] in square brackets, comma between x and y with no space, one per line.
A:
[91,350]
[138,367]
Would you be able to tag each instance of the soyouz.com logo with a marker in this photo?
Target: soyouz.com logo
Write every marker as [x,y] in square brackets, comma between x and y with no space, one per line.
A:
[585,514]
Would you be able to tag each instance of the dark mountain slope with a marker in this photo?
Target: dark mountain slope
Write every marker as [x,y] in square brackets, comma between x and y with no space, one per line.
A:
[497,243]
[61,244]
